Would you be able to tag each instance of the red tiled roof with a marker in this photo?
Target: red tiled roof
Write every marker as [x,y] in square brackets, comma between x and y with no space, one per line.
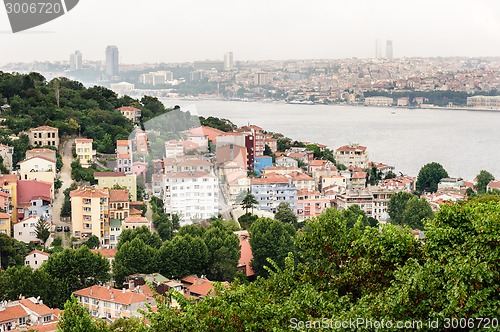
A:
[246,256]
[4,215]
[84,140]
[107,253]
[318,162]
[12,313]
[271,178]
[135,219]
[122,142]
[201,286]
[44,128]
[105,294]
[210,132]
[118,195]
[123,156]
[359,175]
[494,184]
[47,327]
[28,190]
[39,252]
[352,148]
[40,157]
[89,193]
[39,309]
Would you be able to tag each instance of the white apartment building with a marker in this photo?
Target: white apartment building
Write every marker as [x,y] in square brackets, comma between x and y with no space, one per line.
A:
[191,195]
[84,151]
[352,155]
[111,303]
[25,230]
[36,258]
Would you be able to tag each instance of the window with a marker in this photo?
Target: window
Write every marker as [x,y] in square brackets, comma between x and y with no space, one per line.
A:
[95,301]
[107,304]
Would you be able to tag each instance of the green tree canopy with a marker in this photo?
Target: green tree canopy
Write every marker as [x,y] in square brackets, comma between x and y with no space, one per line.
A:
[285,214]
[483,179]
[416,210]
[270,239]
[184,255]
[133,257]
[397,205]
[429,177]
[42,230]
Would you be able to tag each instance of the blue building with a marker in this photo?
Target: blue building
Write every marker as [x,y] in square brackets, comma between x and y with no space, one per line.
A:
[273,190]
[262,162]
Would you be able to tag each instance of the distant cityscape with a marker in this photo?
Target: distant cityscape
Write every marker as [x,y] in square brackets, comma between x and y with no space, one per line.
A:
[384,80]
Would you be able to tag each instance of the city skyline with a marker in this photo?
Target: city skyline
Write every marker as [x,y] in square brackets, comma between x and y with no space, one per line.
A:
[199,31]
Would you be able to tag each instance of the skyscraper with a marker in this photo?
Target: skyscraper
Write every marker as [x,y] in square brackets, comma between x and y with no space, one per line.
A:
[228,61]
[388,49]
[75,60]
[112,61]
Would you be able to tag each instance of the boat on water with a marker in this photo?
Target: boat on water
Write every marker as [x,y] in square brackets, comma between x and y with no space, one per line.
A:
[301,102]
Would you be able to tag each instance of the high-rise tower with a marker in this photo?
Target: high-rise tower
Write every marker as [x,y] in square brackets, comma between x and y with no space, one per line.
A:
[112,61]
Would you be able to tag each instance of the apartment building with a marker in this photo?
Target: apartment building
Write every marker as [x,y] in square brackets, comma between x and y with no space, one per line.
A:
[38,168]
[90,213]
[273,190]
[362,198]
[131,113]
[44,136]
[110,303]
[25,230]
[33,199]
[378,101]
[84,151]
[41,152]
[310,204]
[134,222]
[352,155]
[109,179]
[381,197]
[484,102]
[5,223]
[27,314]
[192,195]
[118,204]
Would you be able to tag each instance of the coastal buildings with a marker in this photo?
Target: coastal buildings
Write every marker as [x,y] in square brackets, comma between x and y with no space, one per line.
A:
[352,155]
[90,213]
[44,136]
[484,102]
[132,113]
[84,151]
[273,189]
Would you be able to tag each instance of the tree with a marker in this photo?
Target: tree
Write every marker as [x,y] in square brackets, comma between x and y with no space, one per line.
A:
[397,205]
[429,176]
[483,179]
[270,239]
[353,214]
[144,233]
[249,201]
[133,257]
[223,249]
[42,230]
[416,210]
[76,318]
[77,269]
[184,255]
[285,214]
[92,242]
[12,251]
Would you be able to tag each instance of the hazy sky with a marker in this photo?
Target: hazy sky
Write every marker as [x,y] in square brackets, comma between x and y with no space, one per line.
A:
[187,30]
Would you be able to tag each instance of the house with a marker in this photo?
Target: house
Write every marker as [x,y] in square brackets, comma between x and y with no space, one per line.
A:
[280,170]
[238,184]
[123,162]
[33,199]
[115,230]
[38,168]
[199,288]
[118,204]
[272,143]
[259,140]
[174,149]
[25,230]
[109,179]
[131,113]
[310,203]
[357,180]
[193,195]
[239,139]
[8,185]
[140,169]
[362,198]
[90,213]
[41,152]
[36,258]
[493,185]
[302,181]
[6,153]
[140,143]
[381,198]
[272,190]
[44,136]
[111,303]
[5,223]
[109,254]
[232,153]
[262,162]
[246,256]
[84,151]
[352,155]
[27,314]
[136,222]
[285,161]
[451,183]
[338,182]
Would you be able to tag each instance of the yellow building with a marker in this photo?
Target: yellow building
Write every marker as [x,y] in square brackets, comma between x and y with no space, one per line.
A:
[40,169]
[89,213]
[4,223]
[84,152]
[8,184]
[109,179]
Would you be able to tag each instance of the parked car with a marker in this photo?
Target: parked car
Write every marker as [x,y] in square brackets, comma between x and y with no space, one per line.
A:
[66,228]
[59,228]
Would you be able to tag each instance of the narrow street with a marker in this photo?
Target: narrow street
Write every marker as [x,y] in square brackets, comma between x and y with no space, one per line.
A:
[65,176]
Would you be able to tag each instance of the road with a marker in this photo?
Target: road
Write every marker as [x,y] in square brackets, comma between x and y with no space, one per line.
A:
[65,176]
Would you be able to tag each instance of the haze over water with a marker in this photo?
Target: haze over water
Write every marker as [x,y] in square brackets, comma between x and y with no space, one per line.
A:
[464,142]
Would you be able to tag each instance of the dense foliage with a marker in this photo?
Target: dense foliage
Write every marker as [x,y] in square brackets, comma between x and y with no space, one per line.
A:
[429,176]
